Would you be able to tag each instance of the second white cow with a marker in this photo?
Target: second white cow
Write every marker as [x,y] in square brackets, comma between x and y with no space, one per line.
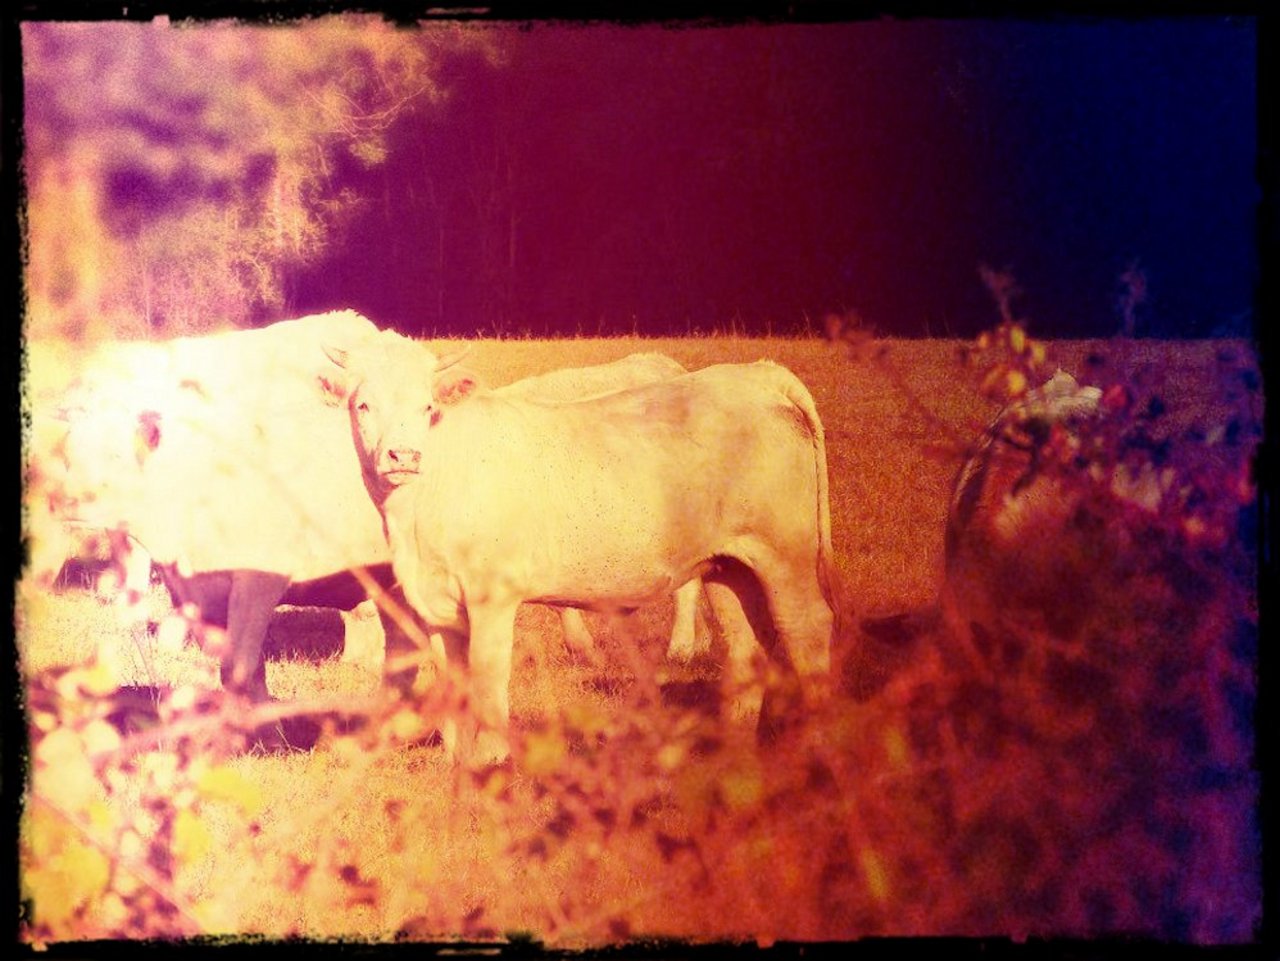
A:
[580,383]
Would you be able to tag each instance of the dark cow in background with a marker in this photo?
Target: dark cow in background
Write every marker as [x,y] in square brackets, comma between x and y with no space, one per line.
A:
[1010,526]
[1008,529]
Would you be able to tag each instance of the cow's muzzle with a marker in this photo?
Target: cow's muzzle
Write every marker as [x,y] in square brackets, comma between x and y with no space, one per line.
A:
[400,464]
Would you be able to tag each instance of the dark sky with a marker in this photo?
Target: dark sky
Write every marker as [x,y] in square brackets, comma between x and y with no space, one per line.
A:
[667,180]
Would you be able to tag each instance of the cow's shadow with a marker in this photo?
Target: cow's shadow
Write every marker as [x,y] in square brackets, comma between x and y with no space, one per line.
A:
[135,710]
[887,644]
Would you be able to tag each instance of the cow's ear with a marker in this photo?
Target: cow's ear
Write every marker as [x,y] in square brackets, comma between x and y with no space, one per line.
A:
[455,386]
[335,378]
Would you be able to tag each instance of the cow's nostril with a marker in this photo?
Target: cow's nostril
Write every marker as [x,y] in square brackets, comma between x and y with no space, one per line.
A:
[404,457]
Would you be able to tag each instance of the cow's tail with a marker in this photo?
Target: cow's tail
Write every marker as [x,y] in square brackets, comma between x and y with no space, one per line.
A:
[800,398]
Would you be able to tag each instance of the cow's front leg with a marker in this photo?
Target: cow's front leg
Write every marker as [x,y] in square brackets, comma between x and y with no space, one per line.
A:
[254,596]
[402,666]
[489,665]
[447,651]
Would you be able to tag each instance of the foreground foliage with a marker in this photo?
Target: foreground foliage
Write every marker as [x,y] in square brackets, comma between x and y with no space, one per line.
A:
[1085,772]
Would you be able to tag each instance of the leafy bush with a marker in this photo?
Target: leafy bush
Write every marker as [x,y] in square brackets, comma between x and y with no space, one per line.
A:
[1076,756]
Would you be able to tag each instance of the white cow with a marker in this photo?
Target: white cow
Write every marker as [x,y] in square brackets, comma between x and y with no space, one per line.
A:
[222,457]
[606,503]
[1011,527]
[226,459]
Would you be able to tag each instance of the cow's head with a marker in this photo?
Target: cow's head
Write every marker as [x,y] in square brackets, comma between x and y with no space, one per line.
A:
[1062,399]
[395,389]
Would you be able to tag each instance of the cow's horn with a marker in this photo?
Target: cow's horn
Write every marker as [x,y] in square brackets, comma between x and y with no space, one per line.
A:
[448,360]
[336,354]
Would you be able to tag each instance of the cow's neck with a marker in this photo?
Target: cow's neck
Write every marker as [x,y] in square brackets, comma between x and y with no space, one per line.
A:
[420,568]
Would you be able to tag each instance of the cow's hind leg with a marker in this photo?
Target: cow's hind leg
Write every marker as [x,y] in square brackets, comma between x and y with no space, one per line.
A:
[803,622]
[741,612]
[577,637]
[781,606]
[449,652]
[684,646]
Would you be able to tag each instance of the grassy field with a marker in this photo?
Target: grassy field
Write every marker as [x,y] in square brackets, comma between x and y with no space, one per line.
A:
[627,814]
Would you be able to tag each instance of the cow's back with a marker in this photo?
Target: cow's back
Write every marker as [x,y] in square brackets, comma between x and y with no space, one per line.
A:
[580,383]
[674,471]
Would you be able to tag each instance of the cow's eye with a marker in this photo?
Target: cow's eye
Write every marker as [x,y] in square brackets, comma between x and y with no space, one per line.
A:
[362,407]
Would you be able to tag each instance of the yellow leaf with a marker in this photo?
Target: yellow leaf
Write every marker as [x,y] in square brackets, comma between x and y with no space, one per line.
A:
[877,878]
[162,768]
[1037,352]
[1017,339]
[992,379]
[1017,383]
[742,786]
[224,784]
[100,815]
[670,756]
[71,879]
[587,719]
[96,680]
[406,725]
[543,752]
[100,737]
[191,839]
[131,845]
[112,912]
[44,834]
[895,746]
[63,772]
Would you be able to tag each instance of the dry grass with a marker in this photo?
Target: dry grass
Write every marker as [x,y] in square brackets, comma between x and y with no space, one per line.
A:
[693,846]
